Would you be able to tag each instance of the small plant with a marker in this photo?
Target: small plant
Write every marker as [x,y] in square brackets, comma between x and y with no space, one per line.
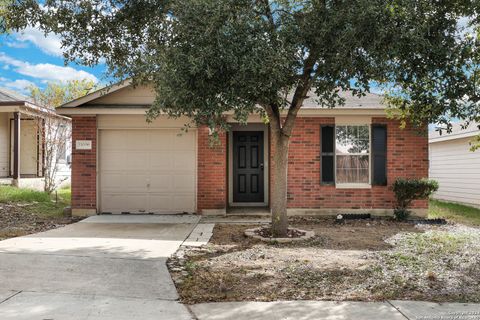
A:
[408,190]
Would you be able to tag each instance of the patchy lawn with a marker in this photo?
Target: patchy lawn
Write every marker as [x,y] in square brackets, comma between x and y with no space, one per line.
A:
[454,212]
[359,260]
[25,211]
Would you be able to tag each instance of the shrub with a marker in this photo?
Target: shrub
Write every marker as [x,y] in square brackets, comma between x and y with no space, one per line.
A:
[407,190]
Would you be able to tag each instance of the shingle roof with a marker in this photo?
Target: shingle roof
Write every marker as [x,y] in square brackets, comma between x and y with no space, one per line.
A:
[458,132]
[369,101]
[7,95]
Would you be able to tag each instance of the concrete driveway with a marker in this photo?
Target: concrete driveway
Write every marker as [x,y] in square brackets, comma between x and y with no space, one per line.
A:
[105,267]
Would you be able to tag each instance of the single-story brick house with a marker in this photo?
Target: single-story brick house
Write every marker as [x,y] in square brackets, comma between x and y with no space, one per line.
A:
[341,160]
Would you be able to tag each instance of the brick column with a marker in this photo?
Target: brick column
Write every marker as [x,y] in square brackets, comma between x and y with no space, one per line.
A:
[212,174]
[84,166]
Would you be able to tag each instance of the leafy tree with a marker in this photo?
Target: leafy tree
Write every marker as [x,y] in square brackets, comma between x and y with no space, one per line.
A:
[207,57]
[57,93]
[3,14]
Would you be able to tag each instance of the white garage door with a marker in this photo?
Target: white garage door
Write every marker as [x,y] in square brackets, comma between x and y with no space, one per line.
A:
[147,170]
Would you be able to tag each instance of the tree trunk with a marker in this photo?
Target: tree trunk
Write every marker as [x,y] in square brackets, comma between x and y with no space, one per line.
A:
[279,184]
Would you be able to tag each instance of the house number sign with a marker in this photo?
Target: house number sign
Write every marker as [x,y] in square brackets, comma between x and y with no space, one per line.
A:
[83,144]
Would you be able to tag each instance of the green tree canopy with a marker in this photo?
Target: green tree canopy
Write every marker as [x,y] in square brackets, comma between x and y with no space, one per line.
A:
[207,57]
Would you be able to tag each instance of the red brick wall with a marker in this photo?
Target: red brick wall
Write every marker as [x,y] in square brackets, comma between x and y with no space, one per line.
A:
[407,156]
[84,163]
[212,172]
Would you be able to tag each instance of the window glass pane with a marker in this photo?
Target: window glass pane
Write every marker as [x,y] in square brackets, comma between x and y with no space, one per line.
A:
[352,169]
[352,149]
[352,139]
[363,132]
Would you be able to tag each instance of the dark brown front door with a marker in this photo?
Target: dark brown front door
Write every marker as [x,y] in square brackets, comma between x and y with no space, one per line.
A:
[248,165]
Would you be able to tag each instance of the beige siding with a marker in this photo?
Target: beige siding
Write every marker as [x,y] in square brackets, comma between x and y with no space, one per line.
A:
[4,144]
[457,169]
[141,95]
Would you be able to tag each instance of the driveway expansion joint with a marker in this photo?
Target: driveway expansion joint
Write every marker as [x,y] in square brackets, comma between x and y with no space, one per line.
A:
[398,310]
[13,295]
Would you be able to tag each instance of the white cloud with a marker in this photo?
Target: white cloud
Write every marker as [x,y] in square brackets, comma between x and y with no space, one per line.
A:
[50,43]
[18,85]
[17,44]
[45,71]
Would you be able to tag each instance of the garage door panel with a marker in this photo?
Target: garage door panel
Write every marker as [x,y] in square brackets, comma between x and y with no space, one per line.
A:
[119,202]
[161,160]
[184,160]
[136,182]
[161,202]
[112,181]
[115,160]
[137,161]
[137,140]
[162,140]
[184,141]
[112,140]
[147,170]
[161,183]
[184,183]
[183,202]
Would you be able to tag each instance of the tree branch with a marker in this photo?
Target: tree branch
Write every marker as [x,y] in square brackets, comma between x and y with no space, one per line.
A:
[273,113]
[268,13]
[300,93]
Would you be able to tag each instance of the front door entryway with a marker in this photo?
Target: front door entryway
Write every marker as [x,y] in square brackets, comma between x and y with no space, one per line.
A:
[248,166]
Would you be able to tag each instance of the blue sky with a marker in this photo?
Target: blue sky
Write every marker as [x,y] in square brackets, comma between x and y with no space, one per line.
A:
[31,58]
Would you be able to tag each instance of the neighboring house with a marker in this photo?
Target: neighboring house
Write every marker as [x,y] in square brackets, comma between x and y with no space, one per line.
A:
[341,160]
[454,166]
[22,142]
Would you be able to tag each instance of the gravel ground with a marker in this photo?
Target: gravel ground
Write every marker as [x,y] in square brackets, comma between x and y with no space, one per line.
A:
[440,264]
[16,220]
[361,260]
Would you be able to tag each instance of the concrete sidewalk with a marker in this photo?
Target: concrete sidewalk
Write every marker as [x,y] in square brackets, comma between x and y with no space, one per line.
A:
[330,310]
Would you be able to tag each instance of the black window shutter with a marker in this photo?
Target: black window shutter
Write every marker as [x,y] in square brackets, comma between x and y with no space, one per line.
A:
[328,154]
[379,154]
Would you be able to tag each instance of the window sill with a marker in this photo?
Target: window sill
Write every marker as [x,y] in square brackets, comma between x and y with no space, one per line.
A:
[353,186]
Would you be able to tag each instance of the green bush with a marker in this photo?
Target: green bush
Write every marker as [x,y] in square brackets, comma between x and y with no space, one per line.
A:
[407,190]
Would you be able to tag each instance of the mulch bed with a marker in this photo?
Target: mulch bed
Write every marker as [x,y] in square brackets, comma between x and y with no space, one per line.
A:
[16,220]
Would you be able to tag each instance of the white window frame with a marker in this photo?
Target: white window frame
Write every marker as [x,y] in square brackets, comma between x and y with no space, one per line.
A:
[359,185]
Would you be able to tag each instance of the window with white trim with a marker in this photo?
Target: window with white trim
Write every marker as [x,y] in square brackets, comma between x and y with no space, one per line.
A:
[352,154]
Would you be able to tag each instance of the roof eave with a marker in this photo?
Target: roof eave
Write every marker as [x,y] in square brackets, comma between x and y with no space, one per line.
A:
[141,109]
